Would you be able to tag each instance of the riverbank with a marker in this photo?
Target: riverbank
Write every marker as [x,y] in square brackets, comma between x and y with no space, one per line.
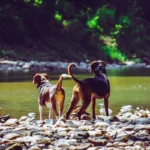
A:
[22,66]
[129,129]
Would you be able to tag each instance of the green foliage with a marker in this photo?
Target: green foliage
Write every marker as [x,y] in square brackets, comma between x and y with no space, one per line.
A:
[57,2]
[110,48]
[65,7]
[66,23]
[116,30]
[3,53]
[27,1]
[102,16]
[114,53]
[125,21]
[105,13]
[9,54]
[35,3]
[93,23]
[100,20]
[58,16]
[113,29]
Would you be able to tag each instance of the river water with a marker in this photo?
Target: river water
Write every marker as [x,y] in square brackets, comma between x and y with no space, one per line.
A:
[18,96]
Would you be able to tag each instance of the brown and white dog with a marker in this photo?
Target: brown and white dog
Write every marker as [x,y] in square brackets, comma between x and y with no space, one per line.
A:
[50,95]
[89,89]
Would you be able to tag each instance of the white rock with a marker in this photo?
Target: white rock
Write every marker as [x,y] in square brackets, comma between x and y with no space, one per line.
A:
[11,122]
[11,136]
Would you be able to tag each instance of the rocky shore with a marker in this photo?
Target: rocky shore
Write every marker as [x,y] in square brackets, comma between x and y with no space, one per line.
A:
[21,66]
[128,130]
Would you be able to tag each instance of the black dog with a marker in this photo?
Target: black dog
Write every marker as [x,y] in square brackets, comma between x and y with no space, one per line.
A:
[90,88]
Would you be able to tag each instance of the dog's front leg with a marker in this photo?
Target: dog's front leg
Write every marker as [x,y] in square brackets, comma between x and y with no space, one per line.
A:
[40,111]
[50,110]
[93,108]
[106,105]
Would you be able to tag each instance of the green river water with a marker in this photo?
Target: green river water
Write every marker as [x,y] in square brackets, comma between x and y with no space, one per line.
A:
[20,98]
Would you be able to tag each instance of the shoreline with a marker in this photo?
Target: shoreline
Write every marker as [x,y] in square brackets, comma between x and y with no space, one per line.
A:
[22,66]
[129,129]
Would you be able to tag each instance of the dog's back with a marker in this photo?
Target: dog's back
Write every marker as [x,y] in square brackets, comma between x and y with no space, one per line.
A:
[100,86]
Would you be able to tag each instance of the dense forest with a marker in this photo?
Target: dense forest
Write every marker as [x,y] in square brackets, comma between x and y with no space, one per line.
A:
[75,30]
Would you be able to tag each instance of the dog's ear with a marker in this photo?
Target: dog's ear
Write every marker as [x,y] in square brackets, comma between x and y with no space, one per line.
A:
[36,79]
[92,66]
[46,76]
[95,63]
[104,63]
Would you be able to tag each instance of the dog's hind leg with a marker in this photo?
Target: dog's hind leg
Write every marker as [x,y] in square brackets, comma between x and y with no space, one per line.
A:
[53,102]
[74,101]
[61,107]
[85,104]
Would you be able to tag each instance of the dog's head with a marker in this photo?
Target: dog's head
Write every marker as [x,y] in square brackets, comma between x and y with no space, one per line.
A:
[96,66]
[40,78]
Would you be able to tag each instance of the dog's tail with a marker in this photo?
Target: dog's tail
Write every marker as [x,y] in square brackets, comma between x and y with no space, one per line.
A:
[70,73]
[59,84]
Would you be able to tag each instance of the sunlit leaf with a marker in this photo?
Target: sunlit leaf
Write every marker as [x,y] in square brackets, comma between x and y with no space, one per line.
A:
[58,16]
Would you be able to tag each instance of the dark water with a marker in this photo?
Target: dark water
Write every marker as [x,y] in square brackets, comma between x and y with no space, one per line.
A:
[18,96]
[25,76]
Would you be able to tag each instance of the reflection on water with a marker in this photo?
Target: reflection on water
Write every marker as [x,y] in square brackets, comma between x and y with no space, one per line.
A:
[125,71]
[122,71]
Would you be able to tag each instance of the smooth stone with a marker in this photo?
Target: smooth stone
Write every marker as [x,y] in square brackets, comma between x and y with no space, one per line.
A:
[109,144]
[95,133]
[128,127]
[93,148]
[83,146]
[61,143]
[101,124]
[79,134]
[142,127]
[26,133]
[11,122]
[34,148]
[23,118]
[98,142]
[45,141]
[130,142]
[62,133]
[141,121]
[86,127]
[59,129]
[50,121]
[140,143]
[31,115]
[20,128]
[11,136]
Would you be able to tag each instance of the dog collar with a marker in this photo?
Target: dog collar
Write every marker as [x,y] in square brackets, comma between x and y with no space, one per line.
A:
[44,84]
[100,65]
